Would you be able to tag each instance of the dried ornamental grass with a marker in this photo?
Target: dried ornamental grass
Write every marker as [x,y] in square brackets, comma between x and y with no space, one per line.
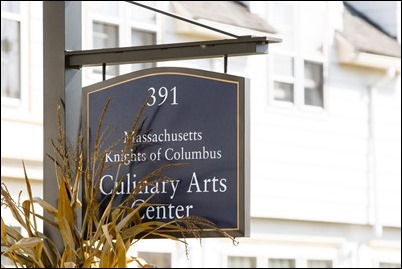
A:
[98,240]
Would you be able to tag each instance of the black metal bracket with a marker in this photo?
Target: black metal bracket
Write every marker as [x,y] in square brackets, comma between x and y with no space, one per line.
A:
[242,46]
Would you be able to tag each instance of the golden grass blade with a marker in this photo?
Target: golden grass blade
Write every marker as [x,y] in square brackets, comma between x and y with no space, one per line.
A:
[52,253]
[127,219]
[140,262]
[29,190]
[25,243]
[134,214]
[38,251]
[68,258]
[120,252]
[88,263]
[26,207]
[22,259]
[3,231]
[106,234]
[46,206]
[167,236]
[13,233]
[65,212]
[133,232]
[8,201]
[66,233]
[147,265]
[77,181]
[101,222]
[106,257]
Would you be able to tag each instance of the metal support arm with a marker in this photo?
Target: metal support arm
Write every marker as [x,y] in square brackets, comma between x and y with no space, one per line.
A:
[170,52]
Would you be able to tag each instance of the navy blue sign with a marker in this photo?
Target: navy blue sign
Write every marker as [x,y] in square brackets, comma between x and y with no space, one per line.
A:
[191,117]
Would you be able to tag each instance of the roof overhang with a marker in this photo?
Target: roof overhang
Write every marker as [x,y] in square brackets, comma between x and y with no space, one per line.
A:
[189,29]
[225,15]
[350,54]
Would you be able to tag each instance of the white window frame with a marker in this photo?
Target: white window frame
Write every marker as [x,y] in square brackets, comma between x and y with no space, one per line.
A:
[280,247]
[311,259]
[242,256]
[150,30]
[299,57]
[283,258]
[158,246]
[139,26]
[22,103]
[92,18]
[125,24]
[93,75]
[285,79]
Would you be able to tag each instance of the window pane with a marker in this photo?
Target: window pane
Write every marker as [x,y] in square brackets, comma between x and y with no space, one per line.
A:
[281,263]
[10,6]
[105,36]
[242,262]
[389,265]
[10,59]
[313,84]
[161,260]
[283,65]
[141,38]
[319,264]
[283,91]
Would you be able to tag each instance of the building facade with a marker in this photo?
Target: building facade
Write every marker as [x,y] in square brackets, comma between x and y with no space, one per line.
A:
[325,121]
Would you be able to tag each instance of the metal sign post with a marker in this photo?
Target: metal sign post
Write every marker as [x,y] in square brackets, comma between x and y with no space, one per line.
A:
[61,32]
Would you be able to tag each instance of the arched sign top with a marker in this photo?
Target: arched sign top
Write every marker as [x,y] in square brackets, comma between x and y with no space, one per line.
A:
[158,71]
[194,117]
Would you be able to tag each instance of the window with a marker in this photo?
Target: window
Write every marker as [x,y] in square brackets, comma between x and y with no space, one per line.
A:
[297,63]
[143,31]
[105,36]
[142,38]
[282,263]
[283,78]
[117,24]
[313,84]
[161,260]
[242,262]
[389,265]
[10,51]
[319,264]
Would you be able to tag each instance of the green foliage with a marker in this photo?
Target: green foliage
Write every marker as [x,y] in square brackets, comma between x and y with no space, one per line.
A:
[99,240]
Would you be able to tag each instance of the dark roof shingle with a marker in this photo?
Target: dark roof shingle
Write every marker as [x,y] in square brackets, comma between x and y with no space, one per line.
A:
[365,37]
[227,12]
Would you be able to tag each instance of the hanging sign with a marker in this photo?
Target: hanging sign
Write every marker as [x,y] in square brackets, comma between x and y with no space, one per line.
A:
[194,120]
